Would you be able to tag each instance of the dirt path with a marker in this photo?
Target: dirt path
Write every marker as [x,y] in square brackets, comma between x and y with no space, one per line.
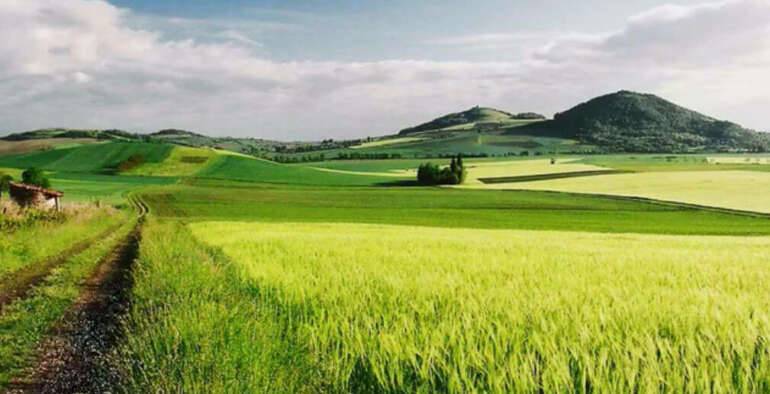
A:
[76,357]
[18,284]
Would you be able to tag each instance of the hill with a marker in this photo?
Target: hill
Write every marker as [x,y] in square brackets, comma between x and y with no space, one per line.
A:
[253,146]
[112,134]
[471,117]
[634,122]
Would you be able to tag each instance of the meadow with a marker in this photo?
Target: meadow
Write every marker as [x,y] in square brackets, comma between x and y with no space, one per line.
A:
[342,276]
[740,190]
[381,308]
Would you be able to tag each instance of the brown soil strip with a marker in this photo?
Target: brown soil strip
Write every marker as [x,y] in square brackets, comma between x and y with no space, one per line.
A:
[78,355]
[18,284]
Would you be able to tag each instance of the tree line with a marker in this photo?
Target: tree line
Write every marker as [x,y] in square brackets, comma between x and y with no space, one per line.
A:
[430,174]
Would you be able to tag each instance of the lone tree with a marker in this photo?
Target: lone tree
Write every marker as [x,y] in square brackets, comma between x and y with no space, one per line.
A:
[5,183]
[430,174]
[35,176]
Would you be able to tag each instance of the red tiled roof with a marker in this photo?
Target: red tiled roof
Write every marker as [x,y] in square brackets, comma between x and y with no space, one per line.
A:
[33,188]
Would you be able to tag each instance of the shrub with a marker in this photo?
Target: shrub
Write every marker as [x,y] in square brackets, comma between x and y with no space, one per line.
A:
[34,176]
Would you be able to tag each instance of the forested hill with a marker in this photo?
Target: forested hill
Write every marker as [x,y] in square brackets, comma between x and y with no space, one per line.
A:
[634,122]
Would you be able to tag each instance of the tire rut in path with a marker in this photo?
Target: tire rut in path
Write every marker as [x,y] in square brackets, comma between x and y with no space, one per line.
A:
[77,355]
[18,284]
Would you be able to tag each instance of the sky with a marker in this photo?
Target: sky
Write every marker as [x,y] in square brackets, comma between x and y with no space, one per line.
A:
[311,70]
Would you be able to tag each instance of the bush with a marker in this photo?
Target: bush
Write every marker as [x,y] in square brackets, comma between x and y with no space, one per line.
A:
[34,176]
[5,183]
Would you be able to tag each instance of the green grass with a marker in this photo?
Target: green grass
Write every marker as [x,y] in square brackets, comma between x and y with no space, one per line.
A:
[32,244]
[112,189]
[414,309]
[182,161]
[196,329]
[255,170]
[24,323]
[440,207]
[88,158]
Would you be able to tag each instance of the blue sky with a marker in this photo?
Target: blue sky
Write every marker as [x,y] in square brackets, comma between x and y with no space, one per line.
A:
[374,30]
[320,69]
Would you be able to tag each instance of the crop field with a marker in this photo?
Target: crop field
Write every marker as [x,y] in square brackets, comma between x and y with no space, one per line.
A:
[385,142]
[231,167]
[390,308]
[498,169]
[723,189]
[209,200]
[182,161]
[19,147]
[338,276]
[88,158]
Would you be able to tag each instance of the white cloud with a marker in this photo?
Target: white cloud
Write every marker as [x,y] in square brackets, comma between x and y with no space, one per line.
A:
[82,64]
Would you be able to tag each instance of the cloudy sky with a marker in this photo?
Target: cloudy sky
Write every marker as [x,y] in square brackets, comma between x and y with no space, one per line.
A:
[290,69]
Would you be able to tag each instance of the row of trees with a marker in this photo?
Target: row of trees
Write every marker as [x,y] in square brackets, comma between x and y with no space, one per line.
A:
[431,174]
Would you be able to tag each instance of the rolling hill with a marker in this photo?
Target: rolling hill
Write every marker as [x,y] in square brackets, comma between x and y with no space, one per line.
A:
[471,117]
[634,122]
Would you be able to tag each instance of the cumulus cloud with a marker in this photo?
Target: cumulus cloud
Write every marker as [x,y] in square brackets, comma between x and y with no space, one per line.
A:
[85,64]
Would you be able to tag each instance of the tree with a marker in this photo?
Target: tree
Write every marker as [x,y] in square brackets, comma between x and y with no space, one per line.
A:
[431,174]
[34,176]
[5,183]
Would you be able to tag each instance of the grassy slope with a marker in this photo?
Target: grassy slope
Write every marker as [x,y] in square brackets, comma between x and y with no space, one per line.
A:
[422,310]
[440,207]
[182,161]
[21,147]
[253,170]
[89,158]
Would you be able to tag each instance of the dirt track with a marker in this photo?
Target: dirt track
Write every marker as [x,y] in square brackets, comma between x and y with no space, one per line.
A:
[18,284]
[78,355]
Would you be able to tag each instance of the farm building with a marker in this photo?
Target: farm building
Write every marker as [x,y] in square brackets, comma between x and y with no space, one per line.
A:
[35,196]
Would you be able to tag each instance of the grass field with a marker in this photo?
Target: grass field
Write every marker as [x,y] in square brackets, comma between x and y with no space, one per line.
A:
[230,167]
[182,161]
[23,247]
[677,163]
[20,147]
[389,308]
[25,322]
[209,200]
[739,190]
[498,169]
[387,141]
[88,158]
[255,276]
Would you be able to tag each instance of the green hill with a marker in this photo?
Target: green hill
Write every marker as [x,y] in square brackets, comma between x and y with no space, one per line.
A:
[634,122]
[89,158]
[471,117]
[112,134]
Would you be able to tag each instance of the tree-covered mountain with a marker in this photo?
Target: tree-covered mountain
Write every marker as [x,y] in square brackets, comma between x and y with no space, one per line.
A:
[634,122]
[471,116]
